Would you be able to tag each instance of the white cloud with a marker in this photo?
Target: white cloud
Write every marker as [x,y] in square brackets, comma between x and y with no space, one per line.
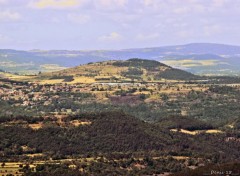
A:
[65,4]
[3,1]
[110,4]
[154,3]
[4,39]
[56,4]
[219,3]
[174,6]
[181,10]
[210,30]
[112,37]
[189,7]
[78,18]
[55,19]
[148,2]
[184,33]
[150,37]
[125,18]
[7,15]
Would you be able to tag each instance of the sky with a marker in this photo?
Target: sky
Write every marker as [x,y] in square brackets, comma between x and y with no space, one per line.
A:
[116,24]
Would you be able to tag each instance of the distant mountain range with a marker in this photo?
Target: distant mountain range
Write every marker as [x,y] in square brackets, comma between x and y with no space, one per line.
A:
[198,58]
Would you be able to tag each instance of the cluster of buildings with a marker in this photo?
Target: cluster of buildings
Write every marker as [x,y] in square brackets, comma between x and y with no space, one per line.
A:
[34,94]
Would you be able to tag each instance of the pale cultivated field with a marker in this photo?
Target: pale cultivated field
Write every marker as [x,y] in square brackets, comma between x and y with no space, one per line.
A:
[36,126]
[82,79]
[17,77]
[185,131]
[191,63]
[52,67]
[214,131]
[51,81]
[77,123]
[196,132]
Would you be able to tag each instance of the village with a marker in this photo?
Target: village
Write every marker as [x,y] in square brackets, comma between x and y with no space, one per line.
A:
[32,94]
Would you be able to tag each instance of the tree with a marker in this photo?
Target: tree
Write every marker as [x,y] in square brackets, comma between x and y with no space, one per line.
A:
[142,96]
[3,164]
[164,97]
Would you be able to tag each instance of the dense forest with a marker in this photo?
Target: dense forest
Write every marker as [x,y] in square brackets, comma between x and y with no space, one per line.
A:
[110,132]
[121,139]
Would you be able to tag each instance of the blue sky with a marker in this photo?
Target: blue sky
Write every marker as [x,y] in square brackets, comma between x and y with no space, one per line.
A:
[116,24]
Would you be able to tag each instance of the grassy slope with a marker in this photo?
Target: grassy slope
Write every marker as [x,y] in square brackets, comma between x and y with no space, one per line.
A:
[121,71]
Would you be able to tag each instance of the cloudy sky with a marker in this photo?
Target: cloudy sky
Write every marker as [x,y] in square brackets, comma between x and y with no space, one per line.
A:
[116,24]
